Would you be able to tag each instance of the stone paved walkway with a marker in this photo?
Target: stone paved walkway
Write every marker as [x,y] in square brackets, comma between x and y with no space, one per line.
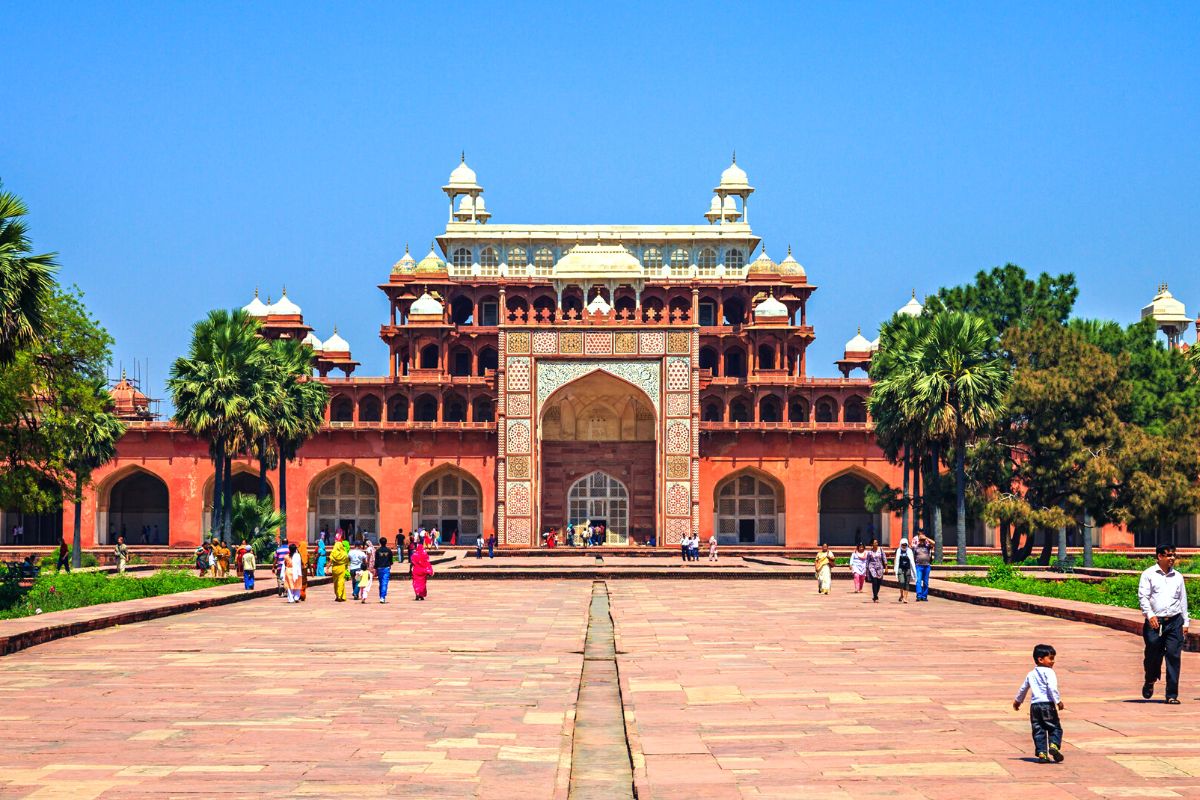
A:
[735,690]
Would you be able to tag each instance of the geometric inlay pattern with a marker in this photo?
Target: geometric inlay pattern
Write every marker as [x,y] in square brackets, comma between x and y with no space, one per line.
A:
[679,375]
[517,530]
[679,468]
[679,437]
[518,466]
[518,436]
[645,375]
[679,404]
[679,342]
[518,374]
[676,530]
[518,343]
[545,342]
[597,343]
[654,343]
[626,344]
[518,499]
[679,499]
[518,405]
[570,343]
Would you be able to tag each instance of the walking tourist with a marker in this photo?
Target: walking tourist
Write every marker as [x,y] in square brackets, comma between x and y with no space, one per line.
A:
[712,548]
[302,554]
[1044,705]
[695,549]
[248,565]
[684,545]
[363,584]
[400,544]
[121,551]
[383,568]
[64,556]
[422,571]
[904,568]
[436,536]
[202,553]
[322,556]
[479,546]
[1162,597]
[491,546]
[339,560]
[858,566]
[823,567]
[292,571]
[923,552]
[876,560]
[358,562]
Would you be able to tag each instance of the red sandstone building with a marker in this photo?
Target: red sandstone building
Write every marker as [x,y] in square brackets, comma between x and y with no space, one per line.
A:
[650,377]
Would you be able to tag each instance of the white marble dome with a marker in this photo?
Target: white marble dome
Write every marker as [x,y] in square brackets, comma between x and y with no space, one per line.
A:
[426,304]
[312,341]
[283,307]
[463,176]
[734,177]
[770,308]
[912,308]
[336,344]
[859,344]
[790,265]
[256,307]
[598,305]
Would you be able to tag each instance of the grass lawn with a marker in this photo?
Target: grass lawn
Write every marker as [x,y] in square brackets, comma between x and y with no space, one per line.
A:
[1119,591]
[58,592]
[1099,561]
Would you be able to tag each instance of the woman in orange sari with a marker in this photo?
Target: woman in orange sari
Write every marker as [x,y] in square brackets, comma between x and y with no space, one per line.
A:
[422,570]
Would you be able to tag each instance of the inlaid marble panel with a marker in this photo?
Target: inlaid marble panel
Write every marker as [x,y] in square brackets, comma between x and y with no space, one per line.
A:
[654,343]
[570,343]
[518,374]
[518,466]
[677,528]
[518,436]
[518,343]
[545,342]
[679,498]
[679,342]
[679,437]
[679,468]
[625,344]
[679,374]
[518,405]
[517,530]
[597,343]
[679,404]
[519,504]
[553,375]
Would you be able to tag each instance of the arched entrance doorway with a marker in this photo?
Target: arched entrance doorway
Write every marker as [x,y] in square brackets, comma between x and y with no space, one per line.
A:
[138,508]
[844,515]
[450,502]
[599,425]
[34,527]
[245,481]
[346,499]
[601,499]
[749,510]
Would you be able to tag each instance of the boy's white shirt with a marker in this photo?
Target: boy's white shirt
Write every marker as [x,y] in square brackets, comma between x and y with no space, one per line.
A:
[1042,685]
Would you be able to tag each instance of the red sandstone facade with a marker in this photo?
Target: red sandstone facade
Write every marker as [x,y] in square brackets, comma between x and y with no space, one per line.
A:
[653,378]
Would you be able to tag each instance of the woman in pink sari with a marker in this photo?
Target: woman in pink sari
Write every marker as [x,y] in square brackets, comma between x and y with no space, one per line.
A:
[422,570]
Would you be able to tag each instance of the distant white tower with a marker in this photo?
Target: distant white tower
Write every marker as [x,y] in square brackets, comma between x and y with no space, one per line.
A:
[1169,315]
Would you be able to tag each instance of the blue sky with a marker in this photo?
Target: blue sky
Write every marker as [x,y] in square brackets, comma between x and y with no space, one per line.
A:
[179,154]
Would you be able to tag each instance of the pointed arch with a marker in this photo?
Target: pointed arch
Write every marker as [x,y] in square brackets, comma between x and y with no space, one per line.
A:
[135,501]
[749,508]
[342,496]
[842,515]
[450,499]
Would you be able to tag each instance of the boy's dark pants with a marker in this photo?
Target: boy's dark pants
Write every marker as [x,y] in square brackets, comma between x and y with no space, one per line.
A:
[1047,730]
[1166,641]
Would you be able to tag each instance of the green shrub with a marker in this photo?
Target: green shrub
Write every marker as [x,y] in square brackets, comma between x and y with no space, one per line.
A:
[1118,591]
[61,591]
[49,562]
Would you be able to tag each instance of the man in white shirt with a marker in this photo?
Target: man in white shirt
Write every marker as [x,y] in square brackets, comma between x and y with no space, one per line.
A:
[1163,599]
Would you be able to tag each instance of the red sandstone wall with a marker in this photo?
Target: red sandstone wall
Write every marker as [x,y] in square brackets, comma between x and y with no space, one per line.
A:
[632,463]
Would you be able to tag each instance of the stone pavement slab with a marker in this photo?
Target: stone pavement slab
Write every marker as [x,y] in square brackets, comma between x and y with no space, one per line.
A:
[468,694]
[771,690]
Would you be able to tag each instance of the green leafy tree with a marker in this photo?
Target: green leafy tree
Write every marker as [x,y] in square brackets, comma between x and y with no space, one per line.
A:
[1006,297]
[301,411]
[257,521]
[26,281]
[217,396]
[958,391]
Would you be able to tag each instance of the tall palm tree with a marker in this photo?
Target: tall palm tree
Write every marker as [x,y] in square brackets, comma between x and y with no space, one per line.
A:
[26,280]
[88,435]
[303,409]
[215,389]
[959,389]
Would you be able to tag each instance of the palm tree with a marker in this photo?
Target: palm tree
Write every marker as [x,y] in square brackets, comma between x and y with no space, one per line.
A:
[959,389]
[88,436]
[215,390]
[26,280]
[303,409]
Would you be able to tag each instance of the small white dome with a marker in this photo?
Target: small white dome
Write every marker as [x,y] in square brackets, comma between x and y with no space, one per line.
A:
[462,174]
[598,304]
[859,344]
[733,176]
[465,204]
[730,204]
[312,341]
[770,308]
[912,308]
[875,345]
[791,266]
[480,206]
[763,264]
[406,262]
[426,304]
[715,205]
[256,307]
[283,307]
[336,344]
[1166,310]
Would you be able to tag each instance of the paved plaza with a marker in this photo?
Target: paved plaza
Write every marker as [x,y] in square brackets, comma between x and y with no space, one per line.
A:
[734,689]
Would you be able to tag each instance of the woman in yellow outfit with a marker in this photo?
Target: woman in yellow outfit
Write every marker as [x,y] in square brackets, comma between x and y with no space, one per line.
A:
[823,566]
[339,560]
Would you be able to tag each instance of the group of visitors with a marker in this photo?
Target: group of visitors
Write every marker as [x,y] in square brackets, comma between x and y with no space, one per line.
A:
[689,547]
[577,534]
[365,563]
[213,558]
[869,563]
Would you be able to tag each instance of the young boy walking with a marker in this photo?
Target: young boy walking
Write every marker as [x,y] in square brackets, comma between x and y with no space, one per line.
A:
[1044,705]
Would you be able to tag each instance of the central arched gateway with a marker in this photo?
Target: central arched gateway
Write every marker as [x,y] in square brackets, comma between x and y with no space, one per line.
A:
[598,456]
[844,518]
[599,498]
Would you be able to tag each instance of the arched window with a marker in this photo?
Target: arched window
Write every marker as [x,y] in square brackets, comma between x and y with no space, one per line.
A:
[706,263]
[425,409]
[826,410]
[341,409]
[139,508]
[397,408]
[348,501]
[681,264]
[735,260]
[370,409]
[739,410]
[488,359]
[429,356]
[766,356]
[709,359]
[735,311]
[712,411]
[735,363]
[518,309]
[461,310]
[451,504]
[855,409]
[489,262]
[769,410]
[747,511]
[454,409]
[681,308]
[599,497]
[544,308]
[797,410]
[460,261]
[543,262]
[460,362]
[484,410]
[518,261]
[652,261]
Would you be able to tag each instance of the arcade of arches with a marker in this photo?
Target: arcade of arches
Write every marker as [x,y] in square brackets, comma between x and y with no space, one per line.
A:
[138,507]
[599,424]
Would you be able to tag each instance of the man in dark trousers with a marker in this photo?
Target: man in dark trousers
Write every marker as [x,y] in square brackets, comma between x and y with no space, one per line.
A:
[492,546]
[1162,597]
